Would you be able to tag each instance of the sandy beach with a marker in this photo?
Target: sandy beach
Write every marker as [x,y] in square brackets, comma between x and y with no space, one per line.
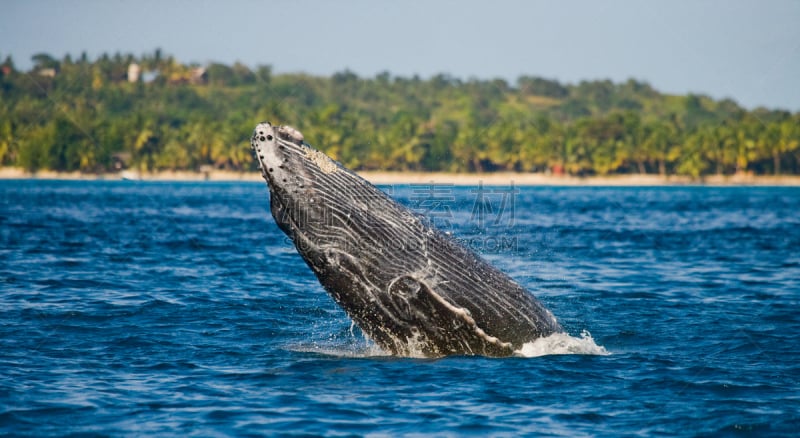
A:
[381,177]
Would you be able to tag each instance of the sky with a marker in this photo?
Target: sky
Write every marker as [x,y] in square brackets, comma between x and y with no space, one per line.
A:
[748,51]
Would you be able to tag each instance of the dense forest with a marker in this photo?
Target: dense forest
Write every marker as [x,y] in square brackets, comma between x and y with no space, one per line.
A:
[154,113]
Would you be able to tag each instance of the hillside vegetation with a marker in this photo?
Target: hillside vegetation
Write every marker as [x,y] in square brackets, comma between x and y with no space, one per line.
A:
[88,115]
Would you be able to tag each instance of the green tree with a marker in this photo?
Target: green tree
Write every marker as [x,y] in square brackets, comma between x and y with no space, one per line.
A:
[88,113]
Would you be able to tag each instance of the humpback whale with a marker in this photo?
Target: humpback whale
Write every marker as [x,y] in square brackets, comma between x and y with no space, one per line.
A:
[411,288]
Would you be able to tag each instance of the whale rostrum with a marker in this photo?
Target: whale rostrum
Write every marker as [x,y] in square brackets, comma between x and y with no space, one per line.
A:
[412,289]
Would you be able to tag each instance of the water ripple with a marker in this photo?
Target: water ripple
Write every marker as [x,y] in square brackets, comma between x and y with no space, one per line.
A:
[133,308]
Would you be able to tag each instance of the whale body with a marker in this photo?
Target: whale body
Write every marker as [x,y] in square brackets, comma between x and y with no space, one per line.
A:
[412,289]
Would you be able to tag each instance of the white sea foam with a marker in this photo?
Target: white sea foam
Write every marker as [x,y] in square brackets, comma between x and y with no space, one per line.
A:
[562,343]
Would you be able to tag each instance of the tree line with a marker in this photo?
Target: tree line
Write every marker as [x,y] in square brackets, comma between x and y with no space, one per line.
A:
[89,115]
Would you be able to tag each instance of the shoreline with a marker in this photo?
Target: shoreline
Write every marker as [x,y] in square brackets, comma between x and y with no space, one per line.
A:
[458,179]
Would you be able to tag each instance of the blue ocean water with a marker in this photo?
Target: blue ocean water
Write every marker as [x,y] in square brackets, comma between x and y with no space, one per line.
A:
[132,308]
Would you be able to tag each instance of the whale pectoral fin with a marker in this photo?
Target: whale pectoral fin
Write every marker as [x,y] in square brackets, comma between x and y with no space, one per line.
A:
[446,329]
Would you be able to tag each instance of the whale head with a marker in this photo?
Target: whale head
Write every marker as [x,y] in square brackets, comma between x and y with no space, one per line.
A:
[299,177]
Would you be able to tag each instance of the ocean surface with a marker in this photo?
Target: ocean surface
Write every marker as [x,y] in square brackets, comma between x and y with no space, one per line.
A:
[135,308]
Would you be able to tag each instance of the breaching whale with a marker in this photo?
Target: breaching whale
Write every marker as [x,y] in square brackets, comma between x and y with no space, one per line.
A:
[412,289]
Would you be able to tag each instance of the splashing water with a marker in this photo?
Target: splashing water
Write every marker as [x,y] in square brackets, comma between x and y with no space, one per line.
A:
[557,343]
[361,350]
[562,343]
